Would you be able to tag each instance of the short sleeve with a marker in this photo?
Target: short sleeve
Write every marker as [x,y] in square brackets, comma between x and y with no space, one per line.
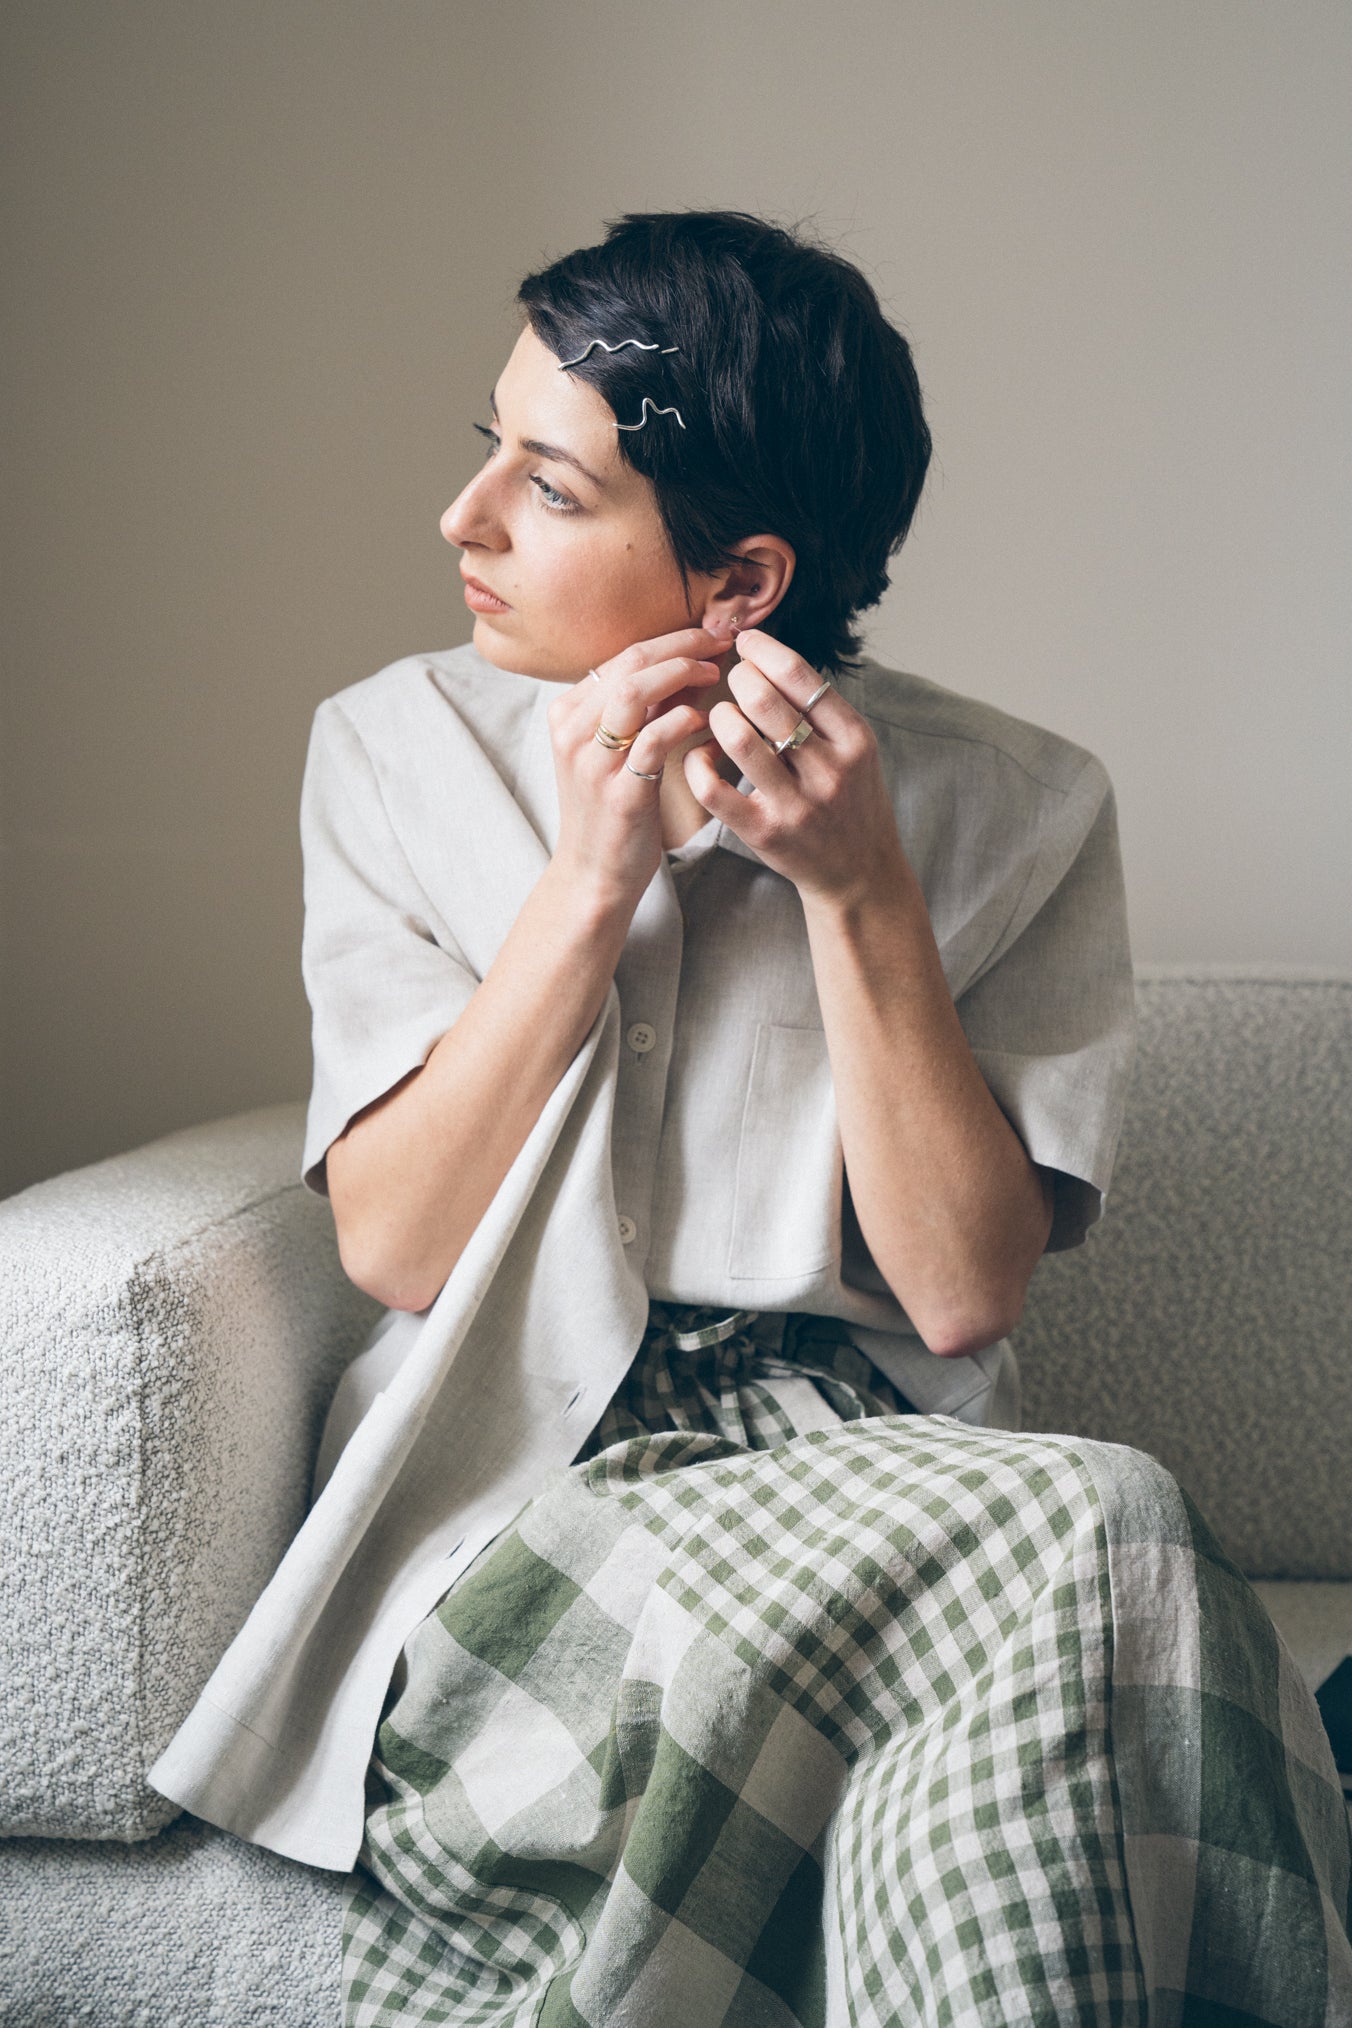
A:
[1052,1020]
[384,977]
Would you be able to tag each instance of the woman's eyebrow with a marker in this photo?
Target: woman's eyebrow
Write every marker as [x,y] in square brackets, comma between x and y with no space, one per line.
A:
[547,450]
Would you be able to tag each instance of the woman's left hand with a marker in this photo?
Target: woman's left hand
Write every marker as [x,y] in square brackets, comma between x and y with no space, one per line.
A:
[820,815]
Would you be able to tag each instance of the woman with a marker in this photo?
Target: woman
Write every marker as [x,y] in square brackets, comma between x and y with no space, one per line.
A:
[712,1030]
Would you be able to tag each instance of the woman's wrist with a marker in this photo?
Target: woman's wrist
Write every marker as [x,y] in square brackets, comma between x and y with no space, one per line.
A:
[889,885]
[589,897]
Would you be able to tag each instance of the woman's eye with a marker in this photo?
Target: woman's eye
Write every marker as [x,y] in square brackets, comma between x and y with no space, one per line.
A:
[552,497]
[558,503]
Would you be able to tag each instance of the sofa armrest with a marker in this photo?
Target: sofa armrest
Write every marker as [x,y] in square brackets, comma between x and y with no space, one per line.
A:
[173,1323]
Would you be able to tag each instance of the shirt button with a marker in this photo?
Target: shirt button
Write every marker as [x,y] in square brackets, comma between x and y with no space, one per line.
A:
[641,1037]
[628,1229]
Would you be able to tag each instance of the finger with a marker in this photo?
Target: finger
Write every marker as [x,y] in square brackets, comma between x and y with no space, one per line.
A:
[720,797]
[773,715]
[691,643]
[662,647]
[740,740]
[658,741]
[624,700]
[796,679]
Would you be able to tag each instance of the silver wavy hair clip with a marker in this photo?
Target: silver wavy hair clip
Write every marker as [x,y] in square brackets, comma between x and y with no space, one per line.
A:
[642,346]
[652,346]
[656,411]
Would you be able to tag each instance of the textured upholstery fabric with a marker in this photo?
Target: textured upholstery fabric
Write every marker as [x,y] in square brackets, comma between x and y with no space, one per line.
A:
[193,1930]
[1209,1320]
[172,1323]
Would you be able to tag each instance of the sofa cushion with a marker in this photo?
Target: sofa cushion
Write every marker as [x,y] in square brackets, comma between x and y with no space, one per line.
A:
[191,1927]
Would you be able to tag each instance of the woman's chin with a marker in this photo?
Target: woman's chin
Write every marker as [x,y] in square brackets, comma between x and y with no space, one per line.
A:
[498,647]
[488,627]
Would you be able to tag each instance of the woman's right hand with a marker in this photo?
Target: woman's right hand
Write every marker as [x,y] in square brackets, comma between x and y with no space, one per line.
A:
[610,824]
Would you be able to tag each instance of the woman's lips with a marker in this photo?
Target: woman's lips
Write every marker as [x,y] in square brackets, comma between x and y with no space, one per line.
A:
[481,601]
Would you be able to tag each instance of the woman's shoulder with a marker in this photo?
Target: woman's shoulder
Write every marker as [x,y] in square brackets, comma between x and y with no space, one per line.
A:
[924,728]
[414,702]
[992,809]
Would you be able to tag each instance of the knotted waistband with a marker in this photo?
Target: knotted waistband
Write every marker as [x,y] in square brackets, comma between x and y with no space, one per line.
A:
[690,1327]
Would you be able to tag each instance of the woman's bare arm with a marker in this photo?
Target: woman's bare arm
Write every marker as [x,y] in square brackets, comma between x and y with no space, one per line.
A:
[954,1213]
[412,1176]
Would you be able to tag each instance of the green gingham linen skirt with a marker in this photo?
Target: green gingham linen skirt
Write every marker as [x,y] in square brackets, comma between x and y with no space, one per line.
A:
[785,1705]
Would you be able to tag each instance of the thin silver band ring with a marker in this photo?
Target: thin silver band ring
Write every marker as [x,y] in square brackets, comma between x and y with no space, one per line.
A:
[802,732]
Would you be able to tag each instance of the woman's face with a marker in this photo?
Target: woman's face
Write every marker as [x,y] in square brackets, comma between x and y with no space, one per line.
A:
[563,531]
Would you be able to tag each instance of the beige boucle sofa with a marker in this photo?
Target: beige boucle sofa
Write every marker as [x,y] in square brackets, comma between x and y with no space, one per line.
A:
[174,1320]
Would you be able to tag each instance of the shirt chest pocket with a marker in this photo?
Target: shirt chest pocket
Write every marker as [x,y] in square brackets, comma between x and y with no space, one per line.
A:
[786,1212]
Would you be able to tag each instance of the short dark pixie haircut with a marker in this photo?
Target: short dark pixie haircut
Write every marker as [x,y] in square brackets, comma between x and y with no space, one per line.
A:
[800,401]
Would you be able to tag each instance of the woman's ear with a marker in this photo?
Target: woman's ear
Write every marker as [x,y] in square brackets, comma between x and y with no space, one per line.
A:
[750,589]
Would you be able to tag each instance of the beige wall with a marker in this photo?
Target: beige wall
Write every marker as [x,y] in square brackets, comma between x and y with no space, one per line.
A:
[260,260]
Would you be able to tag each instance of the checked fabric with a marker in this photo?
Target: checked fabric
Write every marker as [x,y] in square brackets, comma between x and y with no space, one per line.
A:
[785,1705]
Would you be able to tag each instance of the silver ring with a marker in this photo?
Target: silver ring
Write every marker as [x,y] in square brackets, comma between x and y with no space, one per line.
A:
[818,695]
[642,777]
[801,732]
[592,672]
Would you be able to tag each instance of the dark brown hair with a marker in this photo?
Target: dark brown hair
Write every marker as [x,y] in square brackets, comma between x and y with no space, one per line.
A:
[800,401]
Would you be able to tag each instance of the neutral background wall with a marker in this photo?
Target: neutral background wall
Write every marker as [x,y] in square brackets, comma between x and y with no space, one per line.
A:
[260,260]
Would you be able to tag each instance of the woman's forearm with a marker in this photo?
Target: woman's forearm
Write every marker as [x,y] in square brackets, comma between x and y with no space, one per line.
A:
[413,1175]
[955,1214]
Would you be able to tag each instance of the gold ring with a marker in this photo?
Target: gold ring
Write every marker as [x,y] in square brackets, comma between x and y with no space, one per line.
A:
[614,742]
[800,732]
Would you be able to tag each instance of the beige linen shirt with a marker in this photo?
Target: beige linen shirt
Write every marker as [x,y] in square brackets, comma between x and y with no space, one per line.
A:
[690,1152]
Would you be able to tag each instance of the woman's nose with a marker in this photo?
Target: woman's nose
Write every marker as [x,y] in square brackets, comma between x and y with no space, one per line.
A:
[469,518]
